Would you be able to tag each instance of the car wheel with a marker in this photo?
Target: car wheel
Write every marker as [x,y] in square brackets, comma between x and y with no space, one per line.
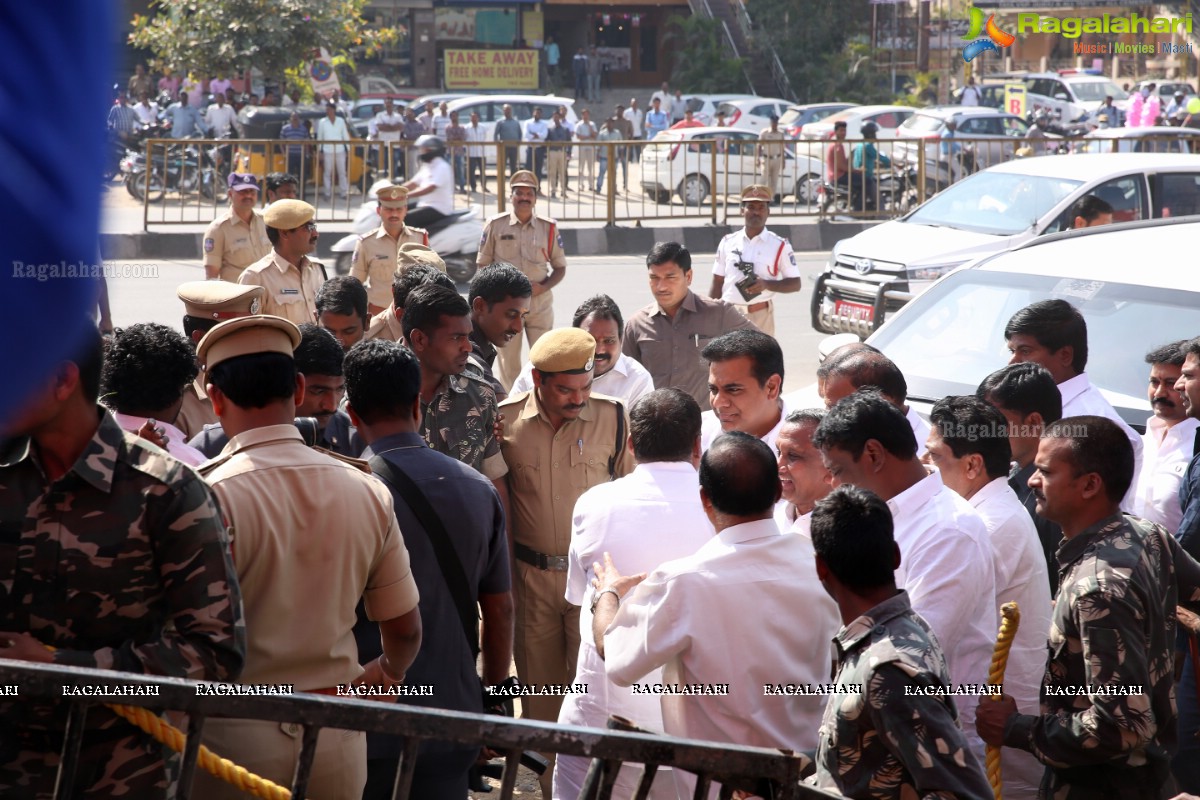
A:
[693,190]
[342,265]
[807,189]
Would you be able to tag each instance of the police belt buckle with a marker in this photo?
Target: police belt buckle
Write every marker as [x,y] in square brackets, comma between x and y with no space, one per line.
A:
[540,560]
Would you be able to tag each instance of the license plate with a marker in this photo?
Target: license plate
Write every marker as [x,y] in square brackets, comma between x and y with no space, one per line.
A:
[856,311]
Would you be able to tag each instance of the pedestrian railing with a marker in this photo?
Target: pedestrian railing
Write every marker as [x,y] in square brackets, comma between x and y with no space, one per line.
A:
[760,772]
[608,182]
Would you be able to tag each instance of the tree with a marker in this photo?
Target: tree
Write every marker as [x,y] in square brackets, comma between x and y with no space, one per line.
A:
[700,61]
[228,36]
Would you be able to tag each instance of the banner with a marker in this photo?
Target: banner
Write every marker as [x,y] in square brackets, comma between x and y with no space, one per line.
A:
[322,74]
[515,70]
[454,24]
[1015,99]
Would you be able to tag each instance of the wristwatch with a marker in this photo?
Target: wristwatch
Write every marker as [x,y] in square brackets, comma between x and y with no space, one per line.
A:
[606,590]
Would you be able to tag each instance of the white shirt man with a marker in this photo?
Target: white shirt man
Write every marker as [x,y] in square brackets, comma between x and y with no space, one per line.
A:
[147,111]
[710,427]
[664,99]
[536,129]
[661,498]
[438,173]
[476,137]
[384,118]
[1165,459]
[219,119]
[635,116]
[332,130]
[627,381]
[1080,398]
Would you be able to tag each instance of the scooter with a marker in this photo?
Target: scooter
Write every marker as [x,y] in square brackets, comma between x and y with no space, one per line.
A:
[454,237]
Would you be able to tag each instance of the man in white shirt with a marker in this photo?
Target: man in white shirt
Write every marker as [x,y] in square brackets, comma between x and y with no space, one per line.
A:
[387,126]
[651,516]
[636,117]
[946,558]
[1169,441]
[847,370]
[1054,334]
[146,109]
[971,95]
[220,118]
[477,153]
[536,130]
[748,578]
[968,444]
[586,132]
[663,96]
[804,479]
[745,375]
[433,183]
[332,130]
[616,374]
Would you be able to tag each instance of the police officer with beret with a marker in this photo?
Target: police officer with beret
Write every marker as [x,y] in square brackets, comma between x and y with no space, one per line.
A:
[532,243]
[237,238]
[291,281]
[558,440]
[374,261]
[205,304]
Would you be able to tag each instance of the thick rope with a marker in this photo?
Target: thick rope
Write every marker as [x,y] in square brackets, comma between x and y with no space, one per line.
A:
[1010,620]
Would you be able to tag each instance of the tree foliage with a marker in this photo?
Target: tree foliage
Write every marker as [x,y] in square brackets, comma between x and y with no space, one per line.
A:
[210,37]
[700,63]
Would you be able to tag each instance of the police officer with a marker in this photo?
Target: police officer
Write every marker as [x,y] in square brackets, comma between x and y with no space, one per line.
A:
[299,622]
[291,281]
[205,304]
[770,156]
[532,243]
[558,441]
[753,264]
[237,238]
[374,261]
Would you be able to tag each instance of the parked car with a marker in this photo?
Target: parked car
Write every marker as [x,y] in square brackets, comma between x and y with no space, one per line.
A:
[1167,89]
[1073,97]
[1156,139]
[753,114]
[874,273]
[992,96]
[680,162]
[951,337]
[490,108]
[888,118]
[418,103]
[991,138]
[704,106]
[796,117]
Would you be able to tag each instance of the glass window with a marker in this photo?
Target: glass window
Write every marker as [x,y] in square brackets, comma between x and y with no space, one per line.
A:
[1176,195]
[1014,126]
[886,120]
[922,123]
[763,110]
[1124,194]
[794,116]
[1096,91]
[998,203]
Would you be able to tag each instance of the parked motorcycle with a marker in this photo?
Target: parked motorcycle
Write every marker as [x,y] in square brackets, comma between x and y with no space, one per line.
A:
[454,237]
[186,167]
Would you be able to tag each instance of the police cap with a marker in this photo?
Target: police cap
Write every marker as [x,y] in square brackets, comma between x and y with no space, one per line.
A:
[412,253]
[247,336]
[568,350]
[287,215]
[524,178]
[392,196]
[219,300]
[756,192]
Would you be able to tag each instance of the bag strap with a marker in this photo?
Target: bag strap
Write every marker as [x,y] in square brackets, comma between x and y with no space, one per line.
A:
[448,560]
[620,444]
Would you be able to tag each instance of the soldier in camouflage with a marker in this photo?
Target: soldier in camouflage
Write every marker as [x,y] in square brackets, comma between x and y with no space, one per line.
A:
[459,405]
[1108,719]
[113,553]
[890,729]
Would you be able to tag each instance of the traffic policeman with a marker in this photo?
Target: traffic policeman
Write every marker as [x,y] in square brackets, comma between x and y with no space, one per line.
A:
[754,264]
[374,261]
[770,155]
[237,238]
[205,304]
[533,244]
[558,440]
[290,279]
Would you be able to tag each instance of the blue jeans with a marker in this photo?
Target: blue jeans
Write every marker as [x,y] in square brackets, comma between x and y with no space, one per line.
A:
[602,169]
[460,172]
[1185,764]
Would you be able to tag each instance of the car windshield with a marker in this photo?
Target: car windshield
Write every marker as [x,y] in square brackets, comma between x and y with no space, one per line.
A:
[951,337]
[999,203]
[694,104]
[922,123]
[791,117]
[1096,91]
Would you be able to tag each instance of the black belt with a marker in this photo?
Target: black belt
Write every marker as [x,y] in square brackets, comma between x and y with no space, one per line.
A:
[540,560]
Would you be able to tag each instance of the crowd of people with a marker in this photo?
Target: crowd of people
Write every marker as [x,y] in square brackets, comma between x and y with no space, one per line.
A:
[298,491]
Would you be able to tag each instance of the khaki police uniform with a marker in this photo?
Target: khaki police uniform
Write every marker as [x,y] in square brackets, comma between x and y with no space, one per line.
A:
[548,471]
[771,153]
[534,247]
[374,259]
[212,302]
[291,290]
[231,245]
[299,586]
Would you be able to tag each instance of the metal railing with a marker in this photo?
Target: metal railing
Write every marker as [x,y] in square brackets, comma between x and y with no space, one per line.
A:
[765,773]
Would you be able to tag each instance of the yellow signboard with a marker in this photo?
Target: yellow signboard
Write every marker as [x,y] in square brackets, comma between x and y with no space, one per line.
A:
[1014,98]
[491,69]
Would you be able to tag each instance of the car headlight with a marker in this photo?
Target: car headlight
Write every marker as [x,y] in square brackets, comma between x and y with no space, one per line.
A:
[930,272]
[833,254]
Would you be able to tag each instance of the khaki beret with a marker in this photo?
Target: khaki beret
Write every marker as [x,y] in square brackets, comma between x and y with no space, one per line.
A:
[286,215]
[570,350]
[524,178]
[392,196]
[413,253]
[756,192]
[219,299]
[247,336]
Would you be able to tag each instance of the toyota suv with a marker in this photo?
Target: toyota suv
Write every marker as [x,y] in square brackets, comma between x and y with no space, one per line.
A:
[874,273]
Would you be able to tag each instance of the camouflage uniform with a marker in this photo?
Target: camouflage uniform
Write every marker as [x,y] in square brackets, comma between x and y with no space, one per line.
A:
[482,358]
[122,564]
[1113,626]
[884,743]
[460,422]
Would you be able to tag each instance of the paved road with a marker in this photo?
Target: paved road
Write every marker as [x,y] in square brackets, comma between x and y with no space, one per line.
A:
[152,299]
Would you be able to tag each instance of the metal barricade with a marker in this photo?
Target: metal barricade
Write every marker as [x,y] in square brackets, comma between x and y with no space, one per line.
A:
[765,773]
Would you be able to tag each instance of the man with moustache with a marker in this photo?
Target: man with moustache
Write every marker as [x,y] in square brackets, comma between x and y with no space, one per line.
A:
[558,441]
[374,260]
[499,298]
[1168,443]
[237,238]
[290,279]
[745,375]
[616,374]
[803,477]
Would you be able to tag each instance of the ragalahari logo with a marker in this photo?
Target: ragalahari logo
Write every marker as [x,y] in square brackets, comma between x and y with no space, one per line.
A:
[994,40]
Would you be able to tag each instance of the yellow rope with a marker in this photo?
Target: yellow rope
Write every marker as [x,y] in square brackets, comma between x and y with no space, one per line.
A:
[1010,619]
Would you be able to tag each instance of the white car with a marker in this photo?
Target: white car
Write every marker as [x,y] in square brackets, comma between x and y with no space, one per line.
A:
[989,137]
[1074,97]
[753,114]
[681,161]
[490,108]
[888,118]
[1156,139]
[704,106]
[874,273]
[951,337]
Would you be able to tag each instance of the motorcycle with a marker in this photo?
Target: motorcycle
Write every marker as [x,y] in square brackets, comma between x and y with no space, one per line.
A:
[184,168]
[896,192]
[454,237]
